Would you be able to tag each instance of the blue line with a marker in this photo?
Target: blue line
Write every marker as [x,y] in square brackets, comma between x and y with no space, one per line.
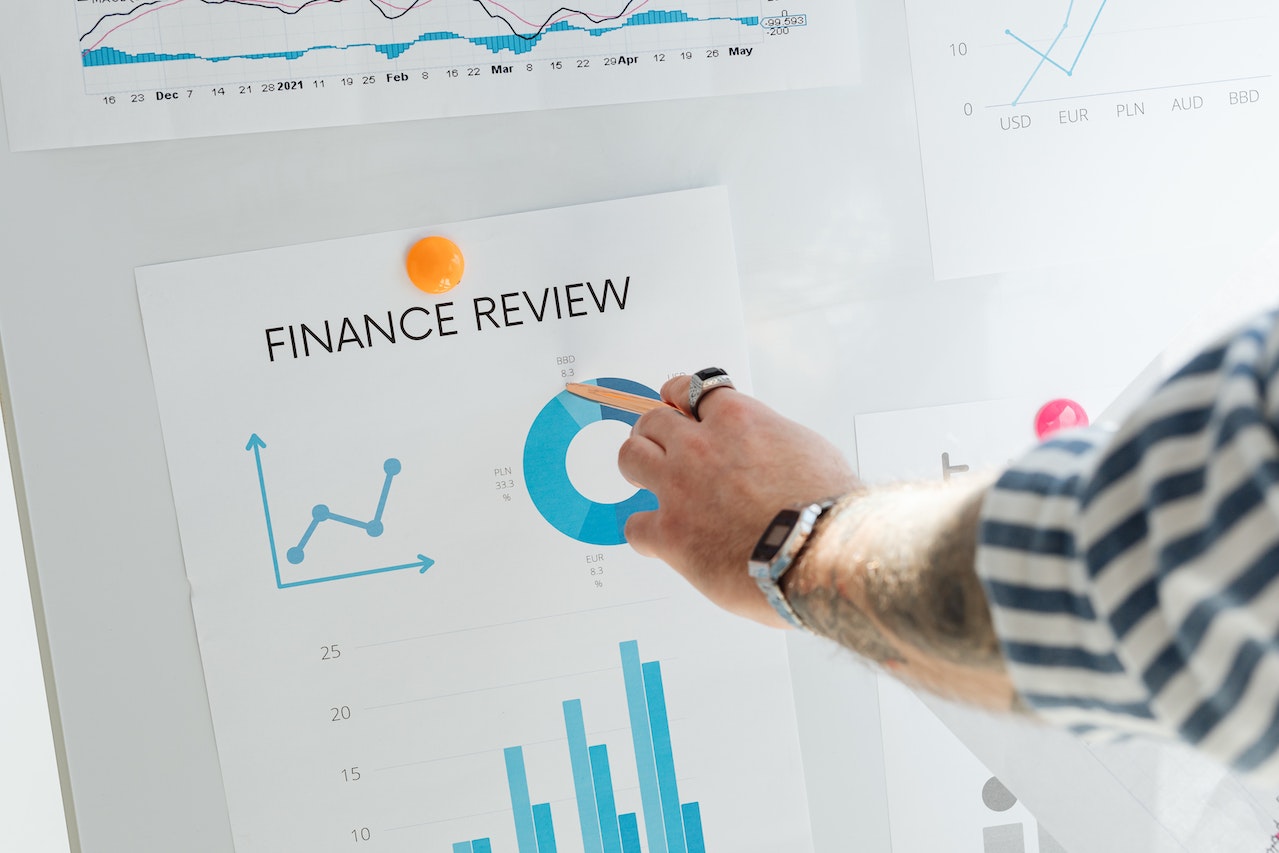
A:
[256,444]
[604,799]
[342,519]
[1036,51]
[386,490]
[310,531]
[495,44]
[583,783]
[517,781]
[392,467]
[642,737]
[321,513]
[1045,56]
[422,564]
[662,753]
[1087,37]
[545,826]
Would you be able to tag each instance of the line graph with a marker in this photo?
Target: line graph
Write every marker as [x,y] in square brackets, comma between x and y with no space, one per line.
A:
[134,70]
[1096,115]
[1045,57]
[321,513]
[517,33]
[561,13]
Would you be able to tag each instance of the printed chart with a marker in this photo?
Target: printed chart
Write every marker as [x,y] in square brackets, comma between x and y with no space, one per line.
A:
[1077,130]
[146,69]
[418,628]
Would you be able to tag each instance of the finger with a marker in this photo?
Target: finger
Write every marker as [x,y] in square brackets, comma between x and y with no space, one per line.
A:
[675,392]
[639,460]
[641,533]
[712,398]
[663,427]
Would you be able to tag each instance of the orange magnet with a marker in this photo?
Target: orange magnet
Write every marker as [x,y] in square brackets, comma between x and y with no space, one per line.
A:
[435,264]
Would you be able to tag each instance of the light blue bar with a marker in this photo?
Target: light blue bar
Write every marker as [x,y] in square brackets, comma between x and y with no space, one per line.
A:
[525,835]
[583,784]
[664,757]
[604,801]
[642,735]
[692,828]
[481,845]
[630,833]
[545,828]
[463,847]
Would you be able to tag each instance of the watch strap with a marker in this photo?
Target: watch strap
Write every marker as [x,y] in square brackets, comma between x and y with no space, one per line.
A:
[768,574]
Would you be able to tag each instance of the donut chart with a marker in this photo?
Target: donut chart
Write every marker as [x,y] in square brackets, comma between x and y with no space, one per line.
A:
[546,472]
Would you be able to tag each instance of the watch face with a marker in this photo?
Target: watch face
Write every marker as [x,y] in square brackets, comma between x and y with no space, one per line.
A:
[775,536]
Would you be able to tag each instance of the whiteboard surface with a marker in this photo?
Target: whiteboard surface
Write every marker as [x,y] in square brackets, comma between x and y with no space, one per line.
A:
[844,317]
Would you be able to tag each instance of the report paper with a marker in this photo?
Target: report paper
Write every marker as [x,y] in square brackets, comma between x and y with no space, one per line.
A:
[420,626]
[89,72]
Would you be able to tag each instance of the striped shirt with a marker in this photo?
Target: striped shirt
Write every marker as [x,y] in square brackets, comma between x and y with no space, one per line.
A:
[1132,573]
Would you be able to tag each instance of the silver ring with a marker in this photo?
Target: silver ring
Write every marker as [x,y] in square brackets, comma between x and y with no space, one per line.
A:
[702,383]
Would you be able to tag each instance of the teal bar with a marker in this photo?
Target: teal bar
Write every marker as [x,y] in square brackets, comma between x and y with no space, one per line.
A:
[481,845]
[642,737]
[517,779]
[545,828]
[692,828]
[583,783]
[604,801]
[463,847]
[665,758]
[630,833]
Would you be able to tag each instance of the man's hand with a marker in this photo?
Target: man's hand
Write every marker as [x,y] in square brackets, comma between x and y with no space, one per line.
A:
[719,482]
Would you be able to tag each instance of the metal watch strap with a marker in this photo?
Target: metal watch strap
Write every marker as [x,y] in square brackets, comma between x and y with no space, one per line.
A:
[768,576]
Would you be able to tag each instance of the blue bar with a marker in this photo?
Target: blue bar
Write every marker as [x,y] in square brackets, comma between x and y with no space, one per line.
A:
[545,828]
[525,835]
[583,784]
[692,828]
[481,845]
[664,757]
[463,847]
[642,736]
[604,801]
[630,833]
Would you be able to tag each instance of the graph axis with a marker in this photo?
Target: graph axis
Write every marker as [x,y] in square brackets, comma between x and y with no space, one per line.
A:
[256,445]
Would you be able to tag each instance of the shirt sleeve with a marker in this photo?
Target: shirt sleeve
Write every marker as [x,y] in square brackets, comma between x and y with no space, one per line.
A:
[1132,574]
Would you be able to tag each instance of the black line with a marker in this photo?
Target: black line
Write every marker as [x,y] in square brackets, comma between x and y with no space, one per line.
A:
[390,17]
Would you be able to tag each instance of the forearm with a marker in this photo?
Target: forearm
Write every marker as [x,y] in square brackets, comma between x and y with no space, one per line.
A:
[890,575]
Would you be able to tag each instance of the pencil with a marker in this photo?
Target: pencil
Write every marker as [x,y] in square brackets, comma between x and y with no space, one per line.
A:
[633,403]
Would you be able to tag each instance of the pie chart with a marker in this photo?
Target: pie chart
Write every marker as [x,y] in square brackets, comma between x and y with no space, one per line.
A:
[546,467]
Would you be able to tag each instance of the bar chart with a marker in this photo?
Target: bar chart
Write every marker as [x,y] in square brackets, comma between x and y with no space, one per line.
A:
[534,691]
[669,826]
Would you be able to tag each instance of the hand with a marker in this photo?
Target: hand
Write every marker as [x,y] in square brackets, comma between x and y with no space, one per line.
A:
[719,482]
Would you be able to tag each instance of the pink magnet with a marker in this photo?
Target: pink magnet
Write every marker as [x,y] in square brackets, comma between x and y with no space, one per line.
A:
[1058,415]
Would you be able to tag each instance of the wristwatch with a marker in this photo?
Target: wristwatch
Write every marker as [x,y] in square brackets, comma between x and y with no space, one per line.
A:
[778,550]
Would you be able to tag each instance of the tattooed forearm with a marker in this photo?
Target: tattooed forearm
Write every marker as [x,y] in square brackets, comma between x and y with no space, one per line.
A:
[828,611]
[934,599]
[888,580]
